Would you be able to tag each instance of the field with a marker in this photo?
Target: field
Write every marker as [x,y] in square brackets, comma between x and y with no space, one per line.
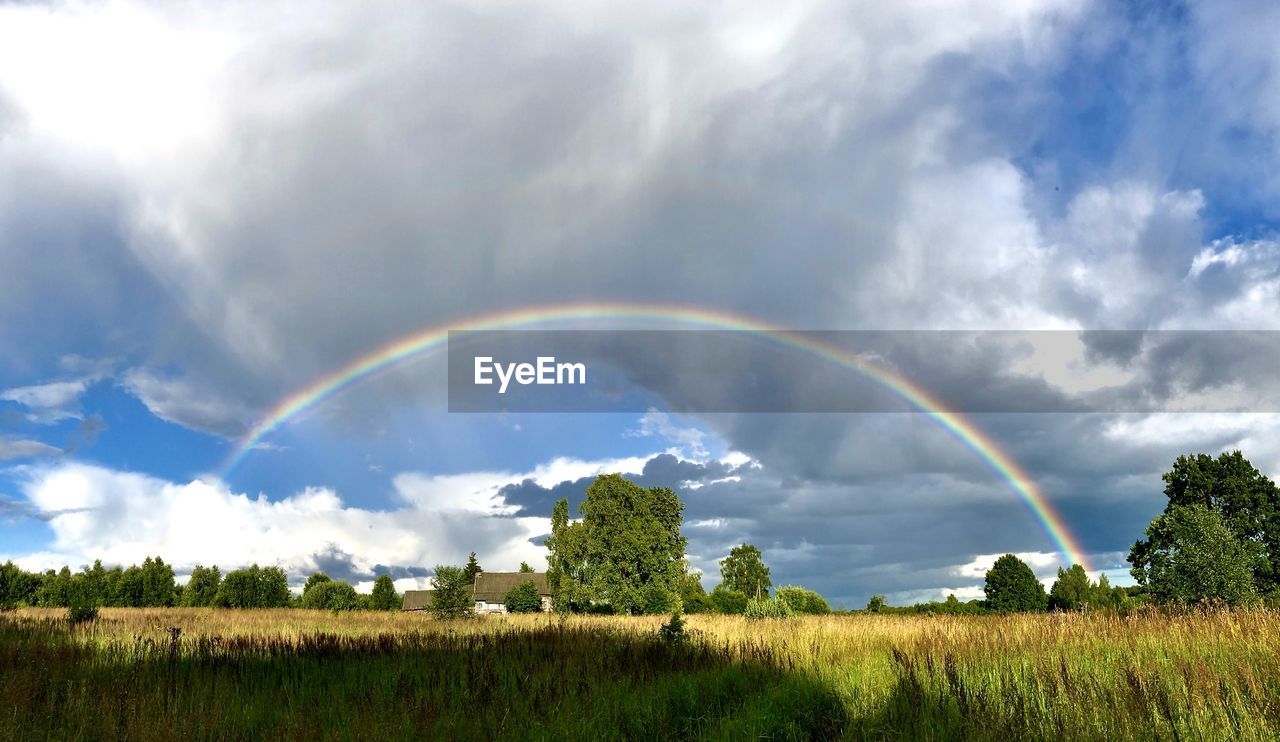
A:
[199,673]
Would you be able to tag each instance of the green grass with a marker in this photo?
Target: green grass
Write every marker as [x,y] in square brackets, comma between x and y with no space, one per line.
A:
[199,673]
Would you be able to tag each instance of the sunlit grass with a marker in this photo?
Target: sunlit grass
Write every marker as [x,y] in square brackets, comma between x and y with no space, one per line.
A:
[293,673]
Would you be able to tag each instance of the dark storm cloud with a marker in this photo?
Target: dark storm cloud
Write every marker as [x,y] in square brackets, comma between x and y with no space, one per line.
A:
[664,470]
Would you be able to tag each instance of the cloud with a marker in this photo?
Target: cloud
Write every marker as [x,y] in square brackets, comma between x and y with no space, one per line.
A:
[20,448]
[51,402]
[280,197]
[122,517]
[178,400]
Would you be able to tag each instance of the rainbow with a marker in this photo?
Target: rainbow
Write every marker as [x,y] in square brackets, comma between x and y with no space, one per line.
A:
[434,338]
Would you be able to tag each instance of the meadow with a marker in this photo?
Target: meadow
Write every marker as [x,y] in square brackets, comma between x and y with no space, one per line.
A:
[169,673]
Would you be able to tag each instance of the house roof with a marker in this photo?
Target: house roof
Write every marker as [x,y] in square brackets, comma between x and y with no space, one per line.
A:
[492,587]
[418,600]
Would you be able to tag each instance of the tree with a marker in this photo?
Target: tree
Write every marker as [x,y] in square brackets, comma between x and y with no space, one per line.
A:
[1246,502]
[313,580]
[254,587]
[472,569]
[157,583]
[1012,587]
[523,598]
[743,570]
[628,539]
[1072,590]
[803,601]
[384,596]
[201,589]
[331,595]
[453,593]
[877,604]
[693,596]
[525,568]
[728,601]
[1198,559]
[17,586]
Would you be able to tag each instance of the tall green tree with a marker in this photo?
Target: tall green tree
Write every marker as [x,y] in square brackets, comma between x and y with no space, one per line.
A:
[254,587]
[384,596]
[1011,586]
[1247,503]
[1072,590]
[472,569]
[158,586]
[743,570]
[627,546]
[453,593]
[201,589]
[1199,559]
[525,568]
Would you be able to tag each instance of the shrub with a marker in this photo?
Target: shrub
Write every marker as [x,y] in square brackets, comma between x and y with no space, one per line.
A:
[727,601]
[78,614]
[523,598]
[453,593]
[803,601]
[656,599]
[672,632]
[758,608]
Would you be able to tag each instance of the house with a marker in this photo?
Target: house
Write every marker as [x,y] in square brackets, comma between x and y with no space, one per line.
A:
[419,600]
[491,588]
[489,592]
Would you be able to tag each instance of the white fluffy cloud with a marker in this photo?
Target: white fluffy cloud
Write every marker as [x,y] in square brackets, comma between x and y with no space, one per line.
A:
[122,517]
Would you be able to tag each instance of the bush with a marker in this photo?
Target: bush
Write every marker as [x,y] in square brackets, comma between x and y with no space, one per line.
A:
[332,595]
[523,598]
[727,601]
[656,599]
[758,608]
[78,614]
[453,593]
[803,601]
[672,632]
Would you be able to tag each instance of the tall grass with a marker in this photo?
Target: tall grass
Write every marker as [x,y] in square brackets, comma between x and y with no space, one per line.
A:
[196,673]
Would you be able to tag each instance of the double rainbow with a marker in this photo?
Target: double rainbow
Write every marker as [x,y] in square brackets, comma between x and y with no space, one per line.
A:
[431,339]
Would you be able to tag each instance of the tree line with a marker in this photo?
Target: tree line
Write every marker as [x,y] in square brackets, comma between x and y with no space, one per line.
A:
[153,585]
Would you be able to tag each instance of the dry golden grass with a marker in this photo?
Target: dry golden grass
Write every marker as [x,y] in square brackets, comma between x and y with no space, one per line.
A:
[1208,675]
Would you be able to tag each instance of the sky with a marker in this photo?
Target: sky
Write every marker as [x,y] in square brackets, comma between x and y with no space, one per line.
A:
[207,207]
